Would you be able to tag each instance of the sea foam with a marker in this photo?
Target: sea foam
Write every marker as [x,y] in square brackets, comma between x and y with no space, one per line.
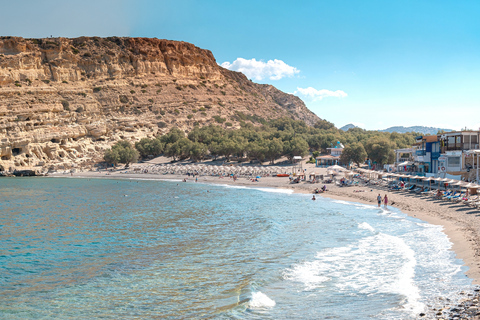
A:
[260,300]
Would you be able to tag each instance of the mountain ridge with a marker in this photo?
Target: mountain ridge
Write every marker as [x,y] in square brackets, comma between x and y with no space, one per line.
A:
[401,129]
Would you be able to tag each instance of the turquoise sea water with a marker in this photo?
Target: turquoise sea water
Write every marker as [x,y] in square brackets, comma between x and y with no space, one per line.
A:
[128,249]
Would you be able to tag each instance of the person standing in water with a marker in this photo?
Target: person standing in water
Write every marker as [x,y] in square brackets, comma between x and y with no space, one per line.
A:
[379,199]
[385,201]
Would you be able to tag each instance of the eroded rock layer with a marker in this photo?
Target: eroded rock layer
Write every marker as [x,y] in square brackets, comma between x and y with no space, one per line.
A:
[63,101]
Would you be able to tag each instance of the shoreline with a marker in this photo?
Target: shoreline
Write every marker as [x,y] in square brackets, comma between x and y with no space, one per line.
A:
[460,223]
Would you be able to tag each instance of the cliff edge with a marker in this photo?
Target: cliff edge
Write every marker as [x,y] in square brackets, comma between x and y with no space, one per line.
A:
[63,101]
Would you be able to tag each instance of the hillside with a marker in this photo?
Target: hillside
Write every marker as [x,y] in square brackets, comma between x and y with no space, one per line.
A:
[419,129]
[348,126]
[63,101]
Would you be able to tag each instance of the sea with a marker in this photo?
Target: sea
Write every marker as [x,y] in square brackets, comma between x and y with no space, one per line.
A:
[84,248]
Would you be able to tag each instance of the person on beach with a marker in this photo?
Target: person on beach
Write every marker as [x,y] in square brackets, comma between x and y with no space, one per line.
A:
[385,201]
[379,199]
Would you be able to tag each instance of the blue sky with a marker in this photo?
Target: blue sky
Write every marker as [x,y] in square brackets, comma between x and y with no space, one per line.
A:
[373,63]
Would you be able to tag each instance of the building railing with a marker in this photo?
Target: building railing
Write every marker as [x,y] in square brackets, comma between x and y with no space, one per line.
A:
[460,146]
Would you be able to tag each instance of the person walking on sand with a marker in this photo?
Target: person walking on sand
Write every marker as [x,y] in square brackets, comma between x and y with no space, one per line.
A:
[379,199]
[385,201]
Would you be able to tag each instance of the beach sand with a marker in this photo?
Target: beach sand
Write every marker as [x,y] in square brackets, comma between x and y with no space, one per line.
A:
[461,223]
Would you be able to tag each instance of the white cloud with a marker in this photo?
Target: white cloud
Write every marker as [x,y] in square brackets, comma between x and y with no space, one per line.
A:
[320,94]
[258,70]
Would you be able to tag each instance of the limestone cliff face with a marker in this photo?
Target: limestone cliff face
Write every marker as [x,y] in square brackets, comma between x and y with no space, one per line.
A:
[62,101]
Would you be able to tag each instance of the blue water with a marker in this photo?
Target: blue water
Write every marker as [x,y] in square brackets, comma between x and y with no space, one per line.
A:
[127,249]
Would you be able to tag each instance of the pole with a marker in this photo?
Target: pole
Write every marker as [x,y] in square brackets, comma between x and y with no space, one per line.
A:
[478,157]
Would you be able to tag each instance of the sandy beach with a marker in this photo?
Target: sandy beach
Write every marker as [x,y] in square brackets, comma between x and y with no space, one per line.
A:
[461,223]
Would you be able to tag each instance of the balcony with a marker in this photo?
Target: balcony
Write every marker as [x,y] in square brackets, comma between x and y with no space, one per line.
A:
[420,152]
[459,147]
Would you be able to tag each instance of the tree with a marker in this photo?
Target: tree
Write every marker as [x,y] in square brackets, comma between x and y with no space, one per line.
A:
[197,151]
[148,147]
[380,150]
[295,147]
[180,148]
[274,149]
[324,125]
[121,152]
[172,136]
[111,156]
[256,150]
[354,152]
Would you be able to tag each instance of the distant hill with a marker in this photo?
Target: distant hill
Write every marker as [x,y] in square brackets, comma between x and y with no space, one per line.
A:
[401,129]
[420,129]
[348,126]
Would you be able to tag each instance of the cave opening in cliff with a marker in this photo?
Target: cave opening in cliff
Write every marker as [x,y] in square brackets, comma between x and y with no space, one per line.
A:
[2,168]
[16,151]
[5,157]
[55,140]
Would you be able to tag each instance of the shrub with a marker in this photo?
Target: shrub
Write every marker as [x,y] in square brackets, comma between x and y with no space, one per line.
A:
[223,92]
[80,109]
[144,86]
[228,124]
[150,100]
[123,98]
[143,90]
[158,85]
[162,112]
[75,50]
[219,119]
[192,87]
[194,110]
[178,88]
[82,94]
[190,116]
[202,109]
[203,113]
[97,89]
[87,54]
[46,81]
[161,124]
[132,91]
[159,90]
[66,105]
[176,111]
[18,84]
[64,81]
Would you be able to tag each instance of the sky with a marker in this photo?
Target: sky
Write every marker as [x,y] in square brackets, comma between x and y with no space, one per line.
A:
[375,64]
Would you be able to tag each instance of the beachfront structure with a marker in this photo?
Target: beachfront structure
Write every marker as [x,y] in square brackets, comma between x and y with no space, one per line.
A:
[453,154]
[332,158]
[455,157]
[404,159]
[327,160]
[426,154]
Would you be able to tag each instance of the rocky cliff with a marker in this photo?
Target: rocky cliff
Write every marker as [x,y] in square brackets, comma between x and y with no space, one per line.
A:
[63,101]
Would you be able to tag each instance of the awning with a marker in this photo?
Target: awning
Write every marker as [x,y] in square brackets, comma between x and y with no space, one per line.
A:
[405,163]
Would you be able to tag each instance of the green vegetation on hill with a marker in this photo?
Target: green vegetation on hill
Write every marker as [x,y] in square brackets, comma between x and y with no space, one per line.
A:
[274,139]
